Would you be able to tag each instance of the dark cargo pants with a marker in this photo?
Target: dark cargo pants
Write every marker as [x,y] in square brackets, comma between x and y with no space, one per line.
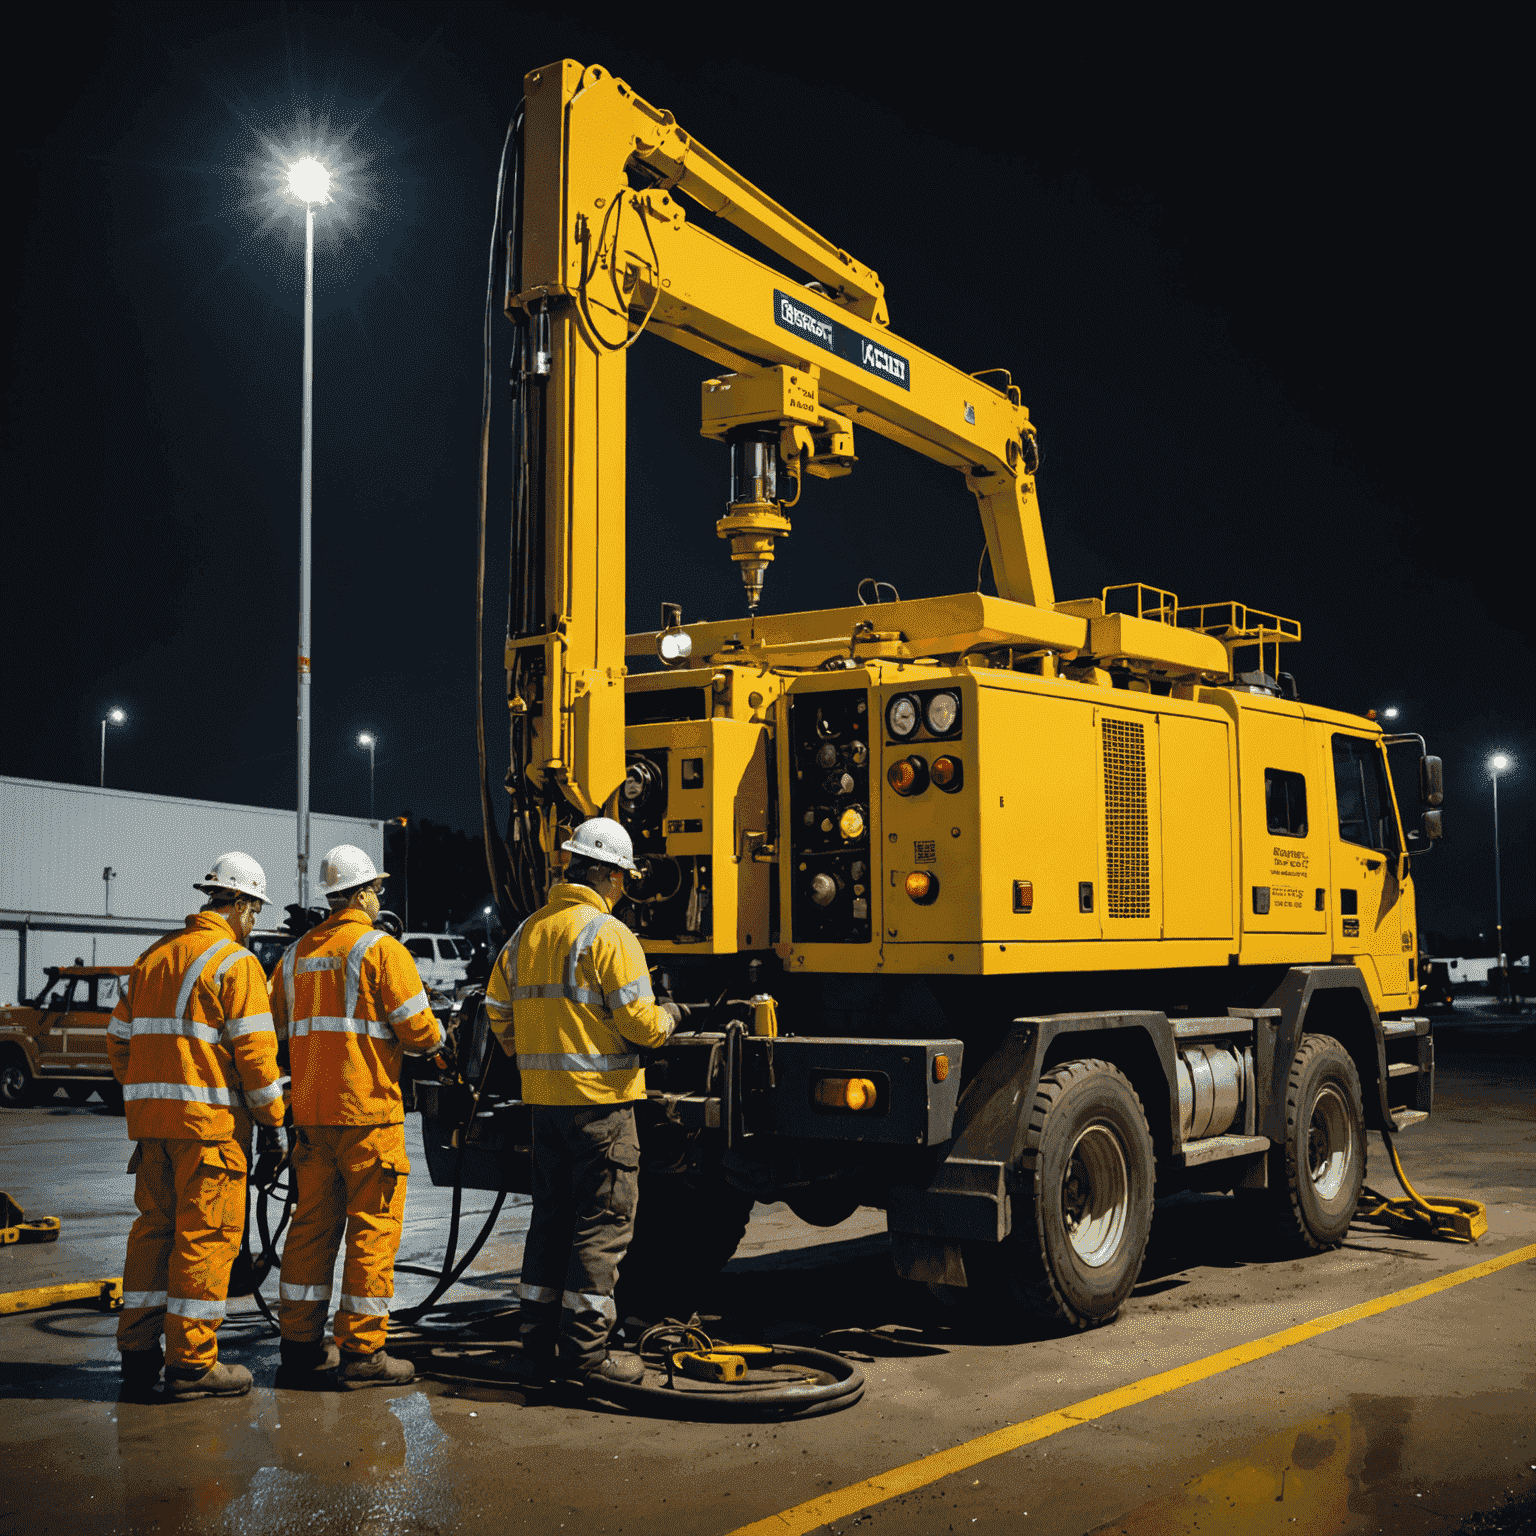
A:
[586,1167]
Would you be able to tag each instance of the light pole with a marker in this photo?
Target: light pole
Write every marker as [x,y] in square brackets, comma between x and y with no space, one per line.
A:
[1499,763]
[404,823]
[369,740]
[116,717]
[310,182]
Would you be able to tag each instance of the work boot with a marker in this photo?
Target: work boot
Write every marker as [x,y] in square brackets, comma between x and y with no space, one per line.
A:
[141,1367]
[375,1370]
[621,1369]
[219,1380]
[307,1366]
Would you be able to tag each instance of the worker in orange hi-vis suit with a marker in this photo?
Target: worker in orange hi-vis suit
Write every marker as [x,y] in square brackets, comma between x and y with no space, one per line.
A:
[352,1004]
[192,1042]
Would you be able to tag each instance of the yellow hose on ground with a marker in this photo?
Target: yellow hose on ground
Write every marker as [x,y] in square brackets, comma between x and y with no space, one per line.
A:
[1445,1216]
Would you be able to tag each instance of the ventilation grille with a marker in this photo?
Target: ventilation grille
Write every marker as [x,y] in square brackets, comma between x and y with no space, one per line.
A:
[1125,820]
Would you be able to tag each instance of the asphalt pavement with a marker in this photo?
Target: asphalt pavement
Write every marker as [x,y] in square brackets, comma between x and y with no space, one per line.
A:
[1411,1414]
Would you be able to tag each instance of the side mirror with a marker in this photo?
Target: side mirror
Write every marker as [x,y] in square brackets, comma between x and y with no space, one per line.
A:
[1434,828]
[1431,785]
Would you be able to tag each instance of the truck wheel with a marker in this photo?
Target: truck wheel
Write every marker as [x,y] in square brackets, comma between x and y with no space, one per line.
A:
[685,1233]
[1321,1167]
[1080,1233]
[15,1081]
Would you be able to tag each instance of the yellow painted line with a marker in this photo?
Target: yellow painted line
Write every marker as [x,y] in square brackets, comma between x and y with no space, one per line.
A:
[817,1512]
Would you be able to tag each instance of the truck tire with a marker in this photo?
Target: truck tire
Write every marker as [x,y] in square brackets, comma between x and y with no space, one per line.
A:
[685,1233]
[15,1080]
[1080,1230]
[1316,1177]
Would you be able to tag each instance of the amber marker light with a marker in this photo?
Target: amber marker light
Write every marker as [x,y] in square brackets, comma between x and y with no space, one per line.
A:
[947,773]
[922,887]
[909,776]
[853,1093]
[940,1068]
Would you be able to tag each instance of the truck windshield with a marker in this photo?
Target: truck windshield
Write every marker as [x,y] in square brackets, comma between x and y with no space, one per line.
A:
[1366,816]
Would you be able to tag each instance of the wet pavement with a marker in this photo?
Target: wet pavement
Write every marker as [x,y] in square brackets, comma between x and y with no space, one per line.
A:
[1415,1420]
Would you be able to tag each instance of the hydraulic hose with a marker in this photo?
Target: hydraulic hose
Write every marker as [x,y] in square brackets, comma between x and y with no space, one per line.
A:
[1451,1217]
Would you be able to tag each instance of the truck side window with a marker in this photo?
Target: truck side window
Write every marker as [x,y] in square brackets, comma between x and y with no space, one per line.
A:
[421,948]
[1365,804]
[1285,802]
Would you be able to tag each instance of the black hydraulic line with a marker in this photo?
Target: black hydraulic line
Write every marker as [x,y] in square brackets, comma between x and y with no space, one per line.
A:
[495,849]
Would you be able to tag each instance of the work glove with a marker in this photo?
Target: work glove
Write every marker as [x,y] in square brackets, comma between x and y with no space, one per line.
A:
[678,1013]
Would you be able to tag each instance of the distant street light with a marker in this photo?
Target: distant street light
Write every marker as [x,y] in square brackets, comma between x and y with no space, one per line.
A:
[115,717]
[1500,762]
[310,182]
[1391,712]
[487,913]
[367,739]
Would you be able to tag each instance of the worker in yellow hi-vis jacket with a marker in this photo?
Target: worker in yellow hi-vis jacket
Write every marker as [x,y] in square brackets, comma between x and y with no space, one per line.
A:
[351,1003]
[570,996]
[192,1042]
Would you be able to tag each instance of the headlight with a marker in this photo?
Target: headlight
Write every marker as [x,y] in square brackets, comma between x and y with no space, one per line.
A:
[901,716]
[943,711]
[674,646]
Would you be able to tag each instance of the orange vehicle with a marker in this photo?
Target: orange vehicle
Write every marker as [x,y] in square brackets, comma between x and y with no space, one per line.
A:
[59,1040]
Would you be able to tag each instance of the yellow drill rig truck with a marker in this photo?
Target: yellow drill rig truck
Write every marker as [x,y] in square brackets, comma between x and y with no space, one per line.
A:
[998,913]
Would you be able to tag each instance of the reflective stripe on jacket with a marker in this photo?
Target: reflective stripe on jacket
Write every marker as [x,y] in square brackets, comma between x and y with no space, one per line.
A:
[350,1001]
[573,987]
[192,1040]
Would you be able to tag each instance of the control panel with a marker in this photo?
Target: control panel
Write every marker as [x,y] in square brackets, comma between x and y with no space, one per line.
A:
[826,831]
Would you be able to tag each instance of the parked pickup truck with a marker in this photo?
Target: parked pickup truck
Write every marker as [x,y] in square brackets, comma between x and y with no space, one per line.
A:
[59,1040]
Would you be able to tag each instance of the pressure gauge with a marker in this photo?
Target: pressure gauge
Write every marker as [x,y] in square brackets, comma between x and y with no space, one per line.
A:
[943,711]
[901,716]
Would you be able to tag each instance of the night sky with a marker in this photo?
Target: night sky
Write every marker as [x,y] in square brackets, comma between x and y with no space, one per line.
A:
[1257,288]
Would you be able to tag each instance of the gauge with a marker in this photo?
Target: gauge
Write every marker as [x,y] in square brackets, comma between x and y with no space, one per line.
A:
[943,712]
[826,754]
[823,890]
[901,716]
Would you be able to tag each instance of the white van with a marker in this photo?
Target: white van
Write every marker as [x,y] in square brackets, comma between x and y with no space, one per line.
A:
[442,959]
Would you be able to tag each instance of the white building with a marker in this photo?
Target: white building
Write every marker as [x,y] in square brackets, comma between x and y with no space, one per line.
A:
[95,874]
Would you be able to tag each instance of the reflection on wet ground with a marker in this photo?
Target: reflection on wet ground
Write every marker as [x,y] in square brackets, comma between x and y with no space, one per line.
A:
[1309,1477]
[394,1487]
[1350,1470]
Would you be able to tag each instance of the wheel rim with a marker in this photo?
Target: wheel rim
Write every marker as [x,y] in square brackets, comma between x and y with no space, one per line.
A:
[1330,1142]
[12,1080]
[1095,1195]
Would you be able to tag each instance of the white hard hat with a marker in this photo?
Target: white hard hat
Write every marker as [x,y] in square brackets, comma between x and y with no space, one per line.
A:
[234,874]
[604,841]
[346,867]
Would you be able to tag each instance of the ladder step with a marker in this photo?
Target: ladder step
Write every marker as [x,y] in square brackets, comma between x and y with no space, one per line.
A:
[1213,1148]
[1401,1069]
[1403,1118]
